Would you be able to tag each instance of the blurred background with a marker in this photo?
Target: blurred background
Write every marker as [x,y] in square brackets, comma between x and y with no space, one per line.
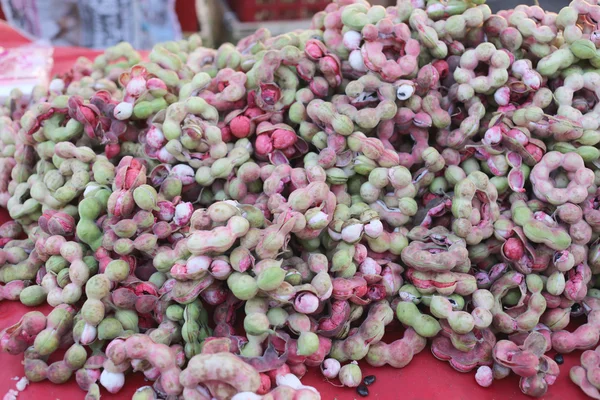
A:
[102,23]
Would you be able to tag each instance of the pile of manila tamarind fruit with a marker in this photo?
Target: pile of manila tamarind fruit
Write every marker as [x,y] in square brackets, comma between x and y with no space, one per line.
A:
[220,220]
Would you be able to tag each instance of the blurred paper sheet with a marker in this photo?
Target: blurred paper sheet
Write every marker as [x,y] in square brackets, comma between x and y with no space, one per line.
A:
[23,68]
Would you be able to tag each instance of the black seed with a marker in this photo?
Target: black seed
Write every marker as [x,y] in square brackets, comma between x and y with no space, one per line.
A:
[369,380]
[362,390]
[575,308]
[559,359]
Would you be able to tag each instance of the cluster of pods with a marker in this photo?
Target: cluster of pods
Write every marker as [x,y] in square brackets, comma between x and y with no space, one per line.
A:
[220,220]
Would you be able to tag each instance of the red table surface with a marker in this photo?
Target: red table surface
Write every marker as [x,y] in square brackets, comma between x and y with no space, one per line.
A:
[425,378]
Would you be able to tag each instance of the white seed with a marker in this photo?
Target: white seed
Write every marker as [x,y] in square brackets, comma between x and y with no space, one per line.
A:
[123,110]
[405,91]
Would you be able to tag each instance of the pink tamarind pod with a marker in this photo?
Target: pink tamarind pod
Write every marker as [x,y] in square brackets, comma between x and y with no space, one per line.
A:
[16,338]
[537,371]
[398,353]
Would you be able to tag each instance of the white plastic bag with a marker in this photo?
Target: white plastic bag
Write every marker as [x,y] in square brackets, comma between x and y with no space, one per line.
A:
[53,20]
[95,23]
[23,68]
[142,23]
[158,22]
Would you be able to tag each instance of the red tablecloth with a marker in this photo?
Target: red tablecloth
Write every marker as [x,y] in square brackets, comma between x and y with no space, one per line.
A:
[425,378]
